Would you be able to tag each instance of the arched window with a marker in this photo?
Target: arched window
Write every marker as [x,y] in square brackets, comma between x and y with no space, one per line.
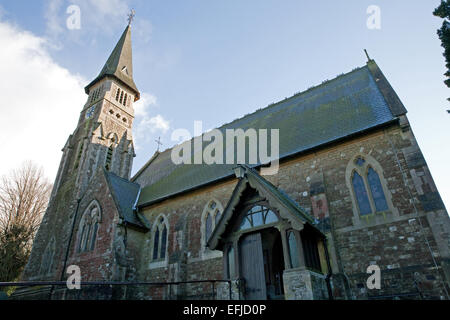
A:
[210,218]
[258,216]
[117,94]
[156,245]
[162,253]
[361,194]
[160,234]
[94,236]
[109,155]
[86,236]
[208,225]
[377,190]
[125,99]
[82,237]
[367,188]
[88,228]
[121,97]
[47,258]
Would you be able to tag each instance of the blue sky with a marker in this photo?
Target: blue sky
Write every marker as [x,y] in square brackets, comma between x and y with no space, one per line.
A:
[216,61]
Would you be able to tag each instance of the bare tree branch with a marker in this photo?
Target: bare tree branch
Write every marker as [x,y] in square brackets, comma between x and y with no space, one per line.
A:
[24,196]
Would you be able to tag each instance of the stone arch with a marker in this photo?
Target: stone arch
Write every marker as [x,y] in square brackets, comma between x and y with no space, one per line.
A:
[362,169]
[205,252]
[159,241]
[46,267]
[112,138]
[88,227]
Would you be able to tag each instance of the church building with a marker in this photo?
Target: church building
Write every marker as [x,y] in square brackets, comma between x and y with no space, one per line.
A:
[352,213]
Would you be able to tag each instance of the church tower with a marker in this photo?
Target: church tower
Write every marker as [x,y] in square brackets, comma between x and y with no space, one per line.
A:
[100,146]
[103,137]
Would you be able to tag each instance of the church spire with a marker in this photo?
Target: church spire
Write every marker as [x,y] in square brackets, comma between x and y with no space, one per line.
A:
[119,64]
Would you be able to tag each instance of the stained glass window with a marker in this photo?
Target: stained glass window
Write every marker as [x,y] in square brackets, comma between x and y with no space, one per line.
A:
[361,194]
[258,216]
[160,240]
[208,226]
[212,217]
[377,191]
[156,245]
[360,162]
[258,219]
[270,217]
[94,236]
[217,217]
[163,243]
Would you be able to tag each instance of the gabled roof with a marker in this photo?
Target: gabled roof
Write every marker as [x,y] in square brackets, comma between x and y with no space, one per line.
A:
[352,103]
[125,194]
[279,200]
[119,64]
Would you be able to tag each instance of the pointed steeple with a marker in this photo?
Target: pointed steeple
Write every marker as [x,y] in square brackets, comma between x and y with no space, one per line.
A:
[119,64]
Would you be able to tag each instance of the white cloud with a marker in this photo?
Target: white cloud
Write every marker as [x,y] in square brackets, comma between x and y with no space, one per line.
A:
[141,108]
[53,17]
[40,102]
[145,125]
[154,124]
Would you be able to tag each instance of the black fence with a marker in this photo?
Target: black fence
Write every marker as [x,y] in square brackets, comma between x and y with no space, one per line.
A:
[116,290]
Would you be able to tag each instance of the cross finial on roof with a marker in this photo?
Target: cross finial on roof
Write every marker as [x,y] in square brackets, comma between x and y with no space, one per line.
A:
[131,16]
[158,141]
[367,55]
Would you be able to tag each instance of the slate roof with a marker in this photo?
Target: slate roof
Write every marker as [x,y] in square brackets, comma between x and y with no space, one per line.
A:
[125,194]
[349,104]
[120,58]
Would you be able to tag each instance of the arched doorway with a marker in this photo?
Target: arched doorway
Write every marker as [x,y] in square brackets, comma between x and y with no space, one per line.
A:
[261,263]
[260,253]
[269,243]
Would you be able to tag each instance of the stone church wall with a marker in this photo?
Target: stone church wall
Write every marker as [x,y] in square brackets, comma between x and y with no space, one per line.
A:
[97,264]
[394,240]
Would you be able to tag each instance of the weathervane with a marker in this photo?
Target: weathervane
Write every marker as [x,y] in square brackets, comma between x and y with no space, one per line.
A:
[158,141]
[131,16]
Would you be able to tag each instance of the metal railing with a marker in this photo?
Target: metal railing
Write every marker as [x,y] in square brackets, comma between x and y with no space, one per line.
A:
[93,290]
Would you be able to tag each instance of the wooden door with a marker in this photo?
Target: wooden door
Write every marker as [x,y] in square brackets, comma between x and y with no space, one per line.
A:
[252,267]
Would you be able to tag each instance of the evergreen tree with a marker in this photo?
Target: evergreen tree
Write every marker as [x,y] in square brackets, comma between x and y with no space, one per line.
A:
[443,11]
